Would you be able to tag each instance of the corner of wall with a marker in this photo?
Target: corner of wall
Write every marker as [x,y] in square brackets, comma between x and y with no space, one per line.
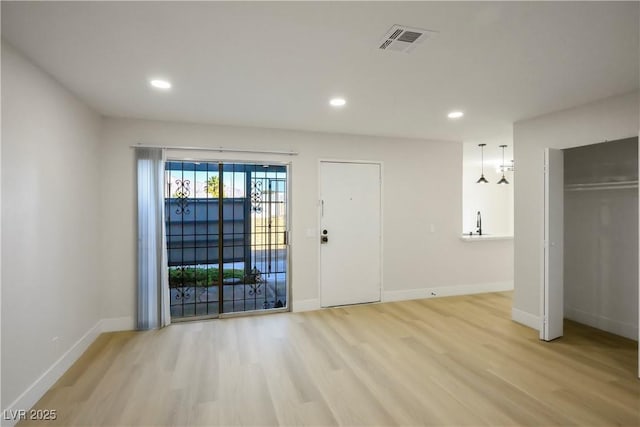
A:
[305,305]
[44,382]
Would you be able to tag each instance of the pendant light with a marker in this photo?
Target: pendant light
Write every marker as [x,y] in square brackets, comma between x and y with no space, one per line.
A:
[482,178]
[503,180]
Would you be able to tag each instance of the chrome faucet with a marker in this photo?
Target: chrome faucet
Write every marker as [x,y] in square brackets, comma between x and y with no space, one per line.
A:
[479,224]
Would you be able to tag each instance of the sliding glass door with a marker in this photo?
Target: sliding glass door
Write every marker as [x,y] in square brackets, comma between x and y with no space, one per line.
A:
[226,232]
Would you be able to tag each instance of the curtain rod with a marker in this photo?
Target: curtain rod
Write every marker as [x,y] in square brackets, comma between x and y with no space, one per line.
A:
[217,149]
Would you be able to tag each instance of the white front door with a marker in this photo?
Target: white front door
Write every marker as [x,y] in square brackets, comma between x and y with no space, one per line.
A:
[553,247]
[350,233]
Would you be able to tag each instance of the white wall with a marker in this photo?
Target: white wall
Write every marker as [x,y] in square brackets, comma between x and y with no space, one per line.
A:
[495,202]
[50,221]
[608,119]
[422,186]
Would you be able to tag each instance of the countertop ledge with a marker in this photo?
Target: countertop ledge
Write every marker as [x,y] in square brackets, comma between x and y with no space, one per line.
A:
[484,237]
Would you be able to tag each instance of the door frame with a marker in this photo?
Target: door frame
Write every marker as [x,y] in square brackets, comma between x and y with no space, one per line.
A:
[178,155]
[322,160]
[542,248]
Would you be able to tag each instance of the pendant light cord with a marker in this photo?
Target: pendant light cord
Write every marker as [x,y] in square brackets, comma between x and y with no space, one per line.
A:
[482,178]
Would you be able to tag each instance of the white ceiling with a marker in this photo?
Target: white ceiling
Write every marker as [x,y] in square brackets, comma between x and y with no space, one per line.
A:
[277,64]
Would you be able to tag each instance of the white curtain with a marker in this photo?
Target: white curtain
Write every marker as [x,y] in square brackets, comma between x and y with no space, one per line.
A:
[153,280]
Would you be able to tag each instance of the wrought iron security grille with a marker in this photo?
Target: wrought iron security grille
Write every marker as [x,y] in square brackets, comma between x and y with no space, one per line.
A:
[226,237]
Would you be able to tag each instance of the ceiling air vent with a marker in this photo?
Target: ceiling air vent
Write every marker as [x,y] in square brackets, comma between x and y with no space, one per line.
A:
[403,39]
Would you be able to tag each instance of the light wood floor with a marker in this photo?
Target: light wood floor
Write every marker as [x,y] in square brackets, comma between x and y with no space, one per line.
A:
[455,361]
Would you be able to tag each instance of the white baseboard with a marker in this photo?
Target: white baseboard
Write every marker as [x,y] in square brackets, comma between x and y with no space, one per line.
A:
[601,322]
[40,386]
[446,291]
[404,295]
[526,319]
[305,305]
[409,294]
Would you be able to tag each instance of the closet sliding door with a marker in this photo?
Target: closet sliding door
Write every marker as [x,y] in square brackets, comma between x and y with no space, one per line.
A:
[553,252]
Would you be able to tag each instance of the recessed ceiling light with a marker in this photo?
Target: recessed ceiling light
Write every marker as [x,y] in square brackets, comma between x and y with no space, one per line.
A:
[455,114]
[160,84]
[337,102]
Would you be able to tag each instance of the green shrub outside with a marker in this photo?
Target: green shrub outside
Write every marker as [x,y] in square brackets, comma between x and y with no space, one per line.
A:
[198,276]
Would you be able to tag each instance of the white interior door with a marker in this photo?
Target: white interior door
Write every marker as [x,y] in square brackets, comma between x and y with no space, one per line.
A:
[350,233]
[553,281]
